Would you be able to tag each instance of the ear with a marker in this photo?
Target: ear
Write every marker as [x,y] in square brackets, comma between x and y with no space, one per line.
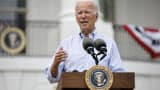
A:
[97,15]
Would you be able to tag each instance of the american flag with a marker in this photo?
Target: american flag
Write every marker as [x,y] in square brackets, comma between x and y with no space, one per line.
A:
[148,38]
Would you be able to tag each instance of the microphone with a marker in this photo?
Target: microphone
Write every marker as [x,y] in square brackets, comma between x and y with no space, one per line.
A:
[100,45]
[89,47]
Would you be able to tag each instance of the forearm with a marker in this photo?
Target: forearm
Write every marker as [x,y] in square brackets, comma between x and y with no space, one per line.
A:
[54,70]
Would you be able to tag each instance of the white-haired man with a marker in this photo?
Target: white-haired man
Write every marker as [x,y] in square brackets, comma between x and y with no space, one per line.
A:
[70,56]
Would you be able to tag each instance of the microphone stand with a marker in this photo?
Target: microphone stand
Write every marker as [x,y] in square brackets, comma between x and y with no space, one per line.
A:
[95,58]
[90,50]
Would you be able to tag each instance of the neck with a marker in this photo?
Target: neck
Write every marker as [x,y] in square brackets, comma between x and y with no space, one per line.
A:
[87,33]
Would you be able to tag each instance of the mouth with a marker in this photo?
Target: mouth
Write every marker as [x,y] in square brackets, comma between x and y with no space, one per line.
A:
[84,22]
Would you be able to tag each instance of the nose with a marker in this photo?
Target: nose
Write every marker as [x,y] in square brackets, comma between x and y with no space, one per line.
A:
[83,15]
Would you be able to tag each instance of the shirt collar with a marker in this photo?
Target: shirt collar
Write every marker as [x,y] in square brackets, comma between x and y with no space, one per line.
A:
[91,35]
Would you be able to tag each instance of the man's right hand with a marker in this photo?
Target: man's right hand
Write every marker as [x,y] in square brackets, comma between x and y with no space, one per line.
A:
[60,56]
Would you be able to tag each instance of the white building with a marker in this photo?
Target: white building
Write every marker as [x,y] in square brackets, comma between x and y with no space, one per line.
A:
[49,21]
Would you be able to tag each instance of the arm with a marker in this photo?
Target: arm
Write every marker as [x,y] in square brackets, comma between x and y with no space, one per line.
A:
[54,70]
[60,56]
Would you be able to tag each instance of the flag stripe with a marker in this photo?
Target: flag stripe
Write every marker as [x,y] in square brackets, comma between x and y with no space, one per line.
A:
[151,30]
[145,46]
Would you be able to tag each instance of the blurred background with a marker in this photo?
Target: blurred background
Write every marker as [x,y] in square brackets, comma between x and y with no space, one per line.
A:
[30,31]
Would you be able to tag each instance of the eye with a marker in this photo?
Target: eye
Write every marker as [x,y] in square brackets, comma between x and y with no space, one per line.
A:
[87,12]
[79,12]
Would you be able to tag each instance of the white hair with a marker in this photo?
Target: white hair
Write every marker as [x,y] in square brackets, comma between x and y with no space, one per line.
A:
[95,2]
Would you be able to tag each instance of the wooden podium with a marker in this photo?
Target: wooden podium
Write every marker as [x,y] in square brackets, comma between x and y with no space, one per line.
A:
[76,81]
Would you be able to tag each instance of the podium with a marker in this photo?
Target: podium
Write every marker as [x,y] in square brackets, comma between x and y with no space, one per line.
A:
[76,81]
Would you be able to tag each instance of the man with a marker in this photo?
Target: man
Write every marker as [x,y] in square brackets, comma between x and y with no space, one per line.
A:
[71,56]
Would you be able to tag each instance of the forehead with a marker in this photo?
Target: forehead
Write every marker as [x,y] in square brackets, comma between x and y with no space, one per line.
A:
[85,5]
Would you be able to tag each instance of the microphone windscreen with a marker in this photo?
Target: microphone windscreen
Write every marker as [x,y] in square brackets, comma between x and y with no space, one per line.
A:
[98,43]
[87,42]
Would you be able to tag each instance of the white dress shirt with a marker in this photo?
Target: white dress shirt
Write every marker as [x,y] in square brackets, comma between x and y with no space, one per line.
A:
[78,59]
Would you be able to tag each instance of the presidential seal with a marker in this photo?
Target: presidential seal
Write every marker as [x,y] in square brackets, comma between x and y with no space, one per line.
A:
[13,40]
[99,78]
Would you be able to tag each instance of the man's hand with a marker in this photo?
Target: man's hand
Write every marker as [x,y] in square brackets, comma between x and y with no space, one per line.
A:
[60,56]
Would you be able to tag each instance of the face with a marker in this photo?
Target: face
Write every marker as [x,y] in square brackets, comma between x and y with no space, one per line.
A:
[86,16]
